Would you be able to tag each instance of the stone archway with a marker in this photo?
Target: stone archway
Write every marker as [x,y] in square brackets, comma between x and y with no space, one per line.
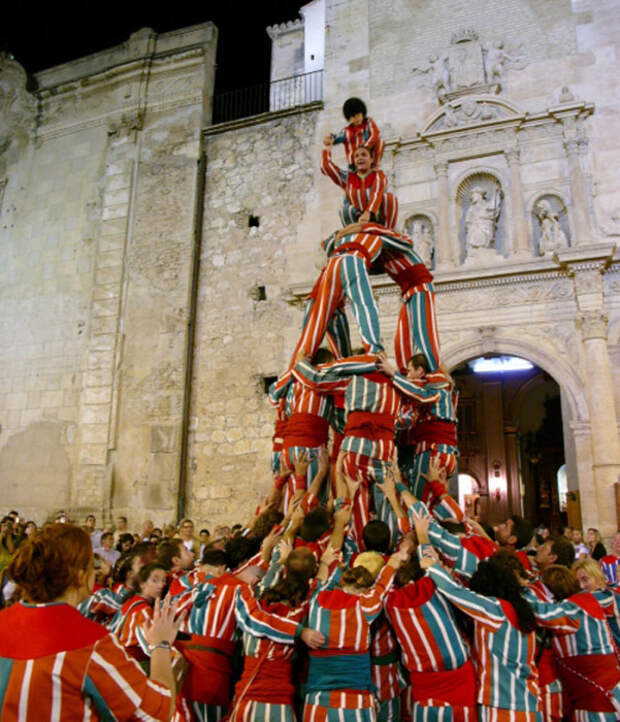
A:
[575,414]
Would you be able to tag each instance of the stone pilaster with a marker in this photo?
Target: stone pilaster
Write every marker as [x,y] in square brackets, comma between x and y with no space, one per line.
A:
[445,251]
[520,236]
[576,179]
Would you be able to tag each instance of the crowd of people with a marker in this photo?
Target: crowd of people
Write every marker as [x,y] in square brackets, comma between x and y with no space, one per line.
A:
[359,590]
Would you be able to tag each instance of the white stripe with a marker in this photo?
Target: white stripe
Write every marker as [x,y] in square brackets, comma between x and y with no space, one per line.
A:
[120,681]
[22,713]
[56,685]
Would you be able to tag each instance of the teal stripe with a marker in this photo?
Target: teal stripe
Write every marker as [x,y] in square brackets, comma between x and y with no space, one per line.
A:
[102,708]
[6,666]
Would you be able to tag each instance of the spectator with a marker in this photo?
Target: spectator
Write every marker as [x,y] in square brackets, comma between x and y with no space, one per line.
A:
[186,533]
[581,549]
[121,528]
[595,544]
[59,649]
[147,529]
[106,550]
[125,542]
[90,527]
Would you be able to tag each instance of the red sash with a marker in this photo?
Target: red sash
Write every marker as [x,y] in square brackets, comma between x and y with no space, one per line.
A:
[455,686]
[434,432]
[588,680]
[266,680]
[413,276]
[547,668]
[210,670]
[376,427]
[353,246]
[279,432]
[307,430]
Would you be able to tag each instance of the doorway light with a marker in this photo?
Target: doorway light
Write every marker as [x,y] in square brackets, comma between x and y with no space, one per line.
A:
[499,364]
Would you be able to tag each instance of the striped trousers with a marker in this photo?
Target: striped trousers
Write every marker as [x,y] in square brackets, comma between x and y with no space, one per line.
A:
[446,455]
[416,328]
[342,277]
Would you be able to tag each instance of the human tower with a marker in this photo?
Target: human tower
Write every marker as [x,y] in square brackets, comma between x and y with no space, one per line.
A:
[361,396]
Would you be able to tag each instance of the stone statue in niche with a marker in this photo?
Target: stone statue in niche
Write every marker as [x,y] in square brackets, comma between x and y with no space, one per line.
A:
[419,229]
[481,217]
[496,60]
[552,237]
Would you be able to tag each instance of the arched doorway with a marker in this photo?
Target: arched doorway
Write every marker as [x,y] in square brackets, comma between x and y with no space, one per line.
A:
[511,437]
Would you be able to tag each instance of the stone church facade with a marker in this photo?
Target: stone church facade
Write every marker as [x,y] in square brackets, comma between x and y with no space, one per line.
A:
[154,264]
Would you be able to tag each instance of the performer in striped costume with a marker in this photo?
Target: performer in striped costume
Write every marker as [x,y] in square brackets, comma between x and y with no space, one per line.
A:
[361,130]
[585,658]
[436,657]
[371,404]
[339,679]
[270,628]
[57,666]
[366,198]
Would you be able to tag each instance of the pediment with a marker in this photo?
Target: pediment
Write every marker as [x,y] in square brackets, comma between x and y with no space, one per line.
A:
[467,111]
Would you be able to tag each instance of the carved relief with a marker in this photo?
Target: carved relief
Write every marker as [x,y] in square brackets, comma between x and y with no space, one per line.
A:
[551,225]
[420,229]
[593,324]
[17,105]
[481,199]
[469,66]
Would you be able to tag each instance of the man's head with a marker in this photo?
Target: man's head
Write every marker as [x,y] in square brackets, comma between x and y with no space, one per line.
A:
[354,110]
[173,554]
[557,551]
[204,536]
[363,159]
[376,536]
[322,356]
[90,522]
[215,561]
[515,532]
[121,523]
[107,540]
[301,562]
[567,532]
[186,529]
[147,527]
[417,367]
[264,523]
[241,548]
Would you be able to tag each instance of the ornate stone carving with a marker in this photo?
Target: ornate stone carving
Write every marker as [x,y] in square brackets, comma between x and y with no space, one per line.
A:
[481,217]
[469,66]
[127,123]
[552,236]
[420,229]
[593,324]
[17,105]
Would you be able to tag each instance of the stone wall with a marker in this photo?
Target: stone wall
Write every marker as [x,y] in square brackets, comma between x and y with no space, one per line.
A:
[97,245]
[266,172]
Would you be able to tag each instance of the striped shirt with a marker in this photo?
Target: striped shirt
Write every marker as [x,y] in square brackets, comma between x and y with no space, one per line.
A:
[353,136]
[364,390]
[425,627]
[503,655]
[212,612]
[55,665]
[364,192]
[609,565]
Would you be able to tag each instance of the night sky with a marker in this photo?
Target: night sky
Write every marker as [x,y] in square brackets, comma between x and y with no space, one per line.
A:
[40,37]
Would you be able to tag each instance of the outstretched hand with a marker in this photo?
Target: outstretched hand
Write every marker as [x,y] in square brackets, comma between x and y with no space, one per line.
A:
[384,365]
[163,627]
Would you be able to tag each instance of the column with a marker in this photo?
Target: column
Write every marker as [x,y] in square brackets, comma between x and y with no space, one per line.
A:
[603,420]
[520,233]
[445,256]
[515,500]
[581,231]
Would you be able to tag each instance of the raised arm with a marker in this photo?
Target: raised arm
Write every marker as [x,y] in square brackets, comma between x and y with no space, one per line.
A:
[331,170]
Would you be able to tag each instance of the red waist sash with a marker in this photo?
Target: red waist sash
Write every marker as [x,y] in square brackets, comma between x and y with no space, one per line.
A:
[435,432]
[306,430]
[353,246]
[279,431]
[455,686]
[210,670]
[266,680]
[588,680]
[376,427]
[413,276]
[547,668]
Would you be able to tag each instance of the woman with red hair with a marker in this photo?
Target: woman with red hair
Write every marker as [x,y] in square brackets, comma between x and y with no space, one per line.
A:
[58,666]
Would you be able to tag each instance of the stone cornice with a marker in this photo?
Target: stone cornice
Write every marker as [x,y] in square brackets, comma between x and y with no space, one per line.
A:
[454,281]
[274,31]
[262,118]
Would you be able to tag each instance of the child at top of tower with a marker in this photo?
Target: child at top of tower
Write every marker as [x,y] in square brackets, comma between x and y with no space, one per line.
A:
[361,130]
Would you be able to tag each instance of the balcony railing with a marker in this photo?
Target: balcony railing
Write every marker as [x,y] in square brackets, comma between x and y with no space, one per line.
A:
[267,97]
